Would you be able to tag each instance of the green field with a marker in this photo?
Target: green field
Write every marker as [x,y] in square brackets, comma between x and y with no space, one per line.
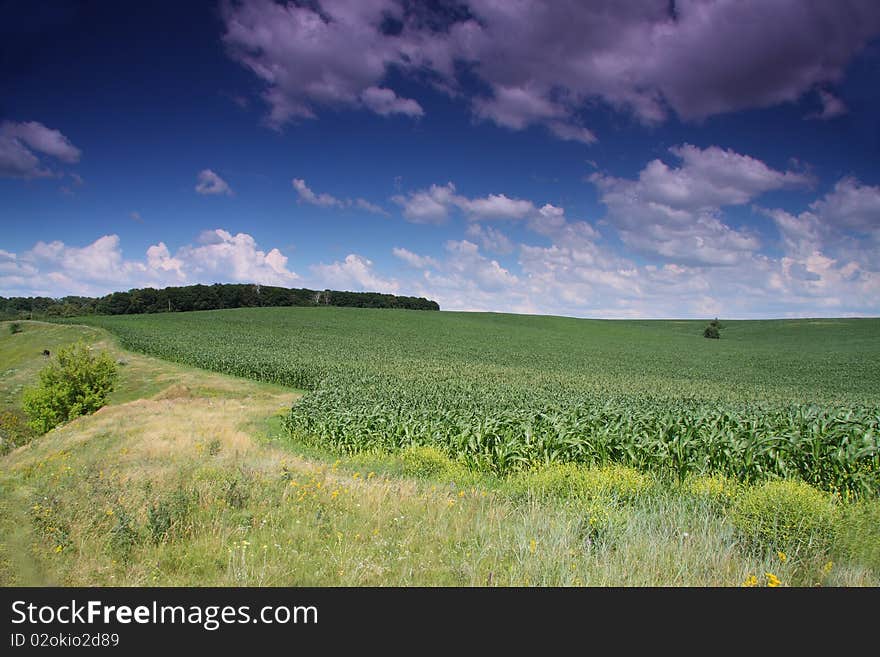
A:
[188,477]
[501,393]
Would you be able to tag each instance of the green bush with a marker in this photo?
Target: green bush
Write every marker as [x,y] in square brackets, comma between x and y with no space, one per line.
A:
[858,536]
[426,462]
[715,490]
[614,482]
[75,383]
[786,515]
[124,535]
[14,328]
[14,430]
[712,331]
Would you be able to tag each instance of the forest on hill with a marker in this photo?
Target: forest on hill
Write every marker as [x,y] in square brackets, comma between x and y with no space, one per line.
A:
[200,297]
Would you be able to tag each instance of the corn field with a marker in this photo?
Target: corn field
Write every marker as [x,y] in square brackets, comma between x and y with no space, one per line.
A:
[774,398]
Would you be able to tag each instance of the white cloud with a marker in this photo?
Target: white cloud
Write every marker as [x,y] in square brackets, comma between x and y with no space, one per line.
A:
[850,205]
[429,206]
[212,184]
[434,204]
[413,259]
[467,280]
[222,255]
[364,204]
[384,101]
[18,141]
[327,201]
[675,212]
[58,269]
[490,238]
[494,206]
[572,132]
[307,195]
[355,274]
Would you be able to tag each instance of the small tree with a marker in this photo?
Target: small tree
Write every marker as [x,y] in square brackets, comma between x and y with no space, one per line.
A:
[75,383]
[712,331]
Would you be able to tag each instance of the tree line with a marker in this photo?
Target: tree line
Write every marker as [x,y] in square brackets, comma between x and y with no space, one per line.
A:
[200,297]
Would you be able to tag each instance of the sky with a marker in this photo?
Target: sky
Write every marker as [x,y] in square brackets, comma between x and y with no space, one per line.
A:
[609,159]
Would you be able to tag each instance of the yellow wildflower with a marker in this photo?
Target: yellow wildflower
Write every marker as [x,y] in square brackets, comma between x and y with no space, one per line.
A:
[772,580]
[750,581]
[782,556]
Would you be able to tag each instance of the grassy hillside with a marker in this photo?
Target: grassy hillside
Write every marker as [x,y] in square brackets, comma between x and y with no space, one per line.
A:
[184,480]
[501,393]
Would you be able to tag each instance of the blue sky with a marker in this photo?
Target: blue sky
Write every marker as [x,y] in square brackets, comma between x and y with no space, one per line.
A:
[606,159]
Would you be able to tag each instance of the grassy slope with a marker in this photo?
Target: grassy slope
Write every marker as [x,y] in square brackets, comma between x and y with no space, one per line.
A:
[77,505]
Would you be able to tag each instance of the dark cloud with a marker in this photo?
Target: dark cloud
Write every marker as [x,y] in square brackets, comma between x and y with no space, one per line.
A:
[541,63]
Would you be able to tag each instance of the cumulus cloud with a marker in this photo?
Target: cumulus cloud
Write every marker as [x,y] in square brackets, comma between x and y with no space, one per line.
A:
[430,206]
[306,195]
[850,205]
[844,223]
[542,63]
[355,274]
[58,269]
[830,260]
[212,184]
[675,212]
[234,257]
[18,143]
[465,279]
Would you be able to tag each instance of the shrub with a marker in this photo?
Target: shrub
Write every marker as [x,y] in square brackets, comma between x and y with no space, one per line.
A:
[14,430]
[614,482]
[785,515]
[602,524]
[14,328]
[858,536]
[715,490]
[75,383]
[426,462]
[712,332]
[123,534]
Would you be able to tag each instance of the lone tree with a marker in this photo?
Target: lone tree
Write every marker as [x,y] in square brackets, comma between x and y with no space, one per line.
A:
[713,330]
